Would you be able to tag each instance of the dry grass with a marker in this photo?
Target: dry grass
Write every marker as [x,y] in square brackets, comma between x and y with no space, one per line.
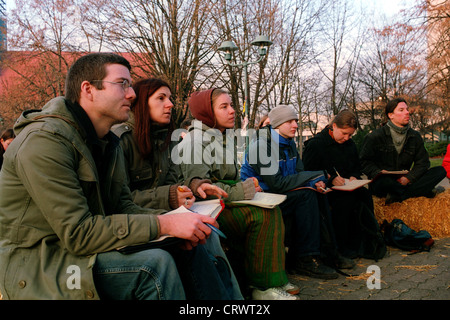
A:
[432,215]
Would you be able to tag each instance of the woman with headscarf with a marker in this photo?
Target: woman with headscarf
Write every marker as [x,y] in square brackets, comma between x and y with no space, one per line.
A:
[208,151]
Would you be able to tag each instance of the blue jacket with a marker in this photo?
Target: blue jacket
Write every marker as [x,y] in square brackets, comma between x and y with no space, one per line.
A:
[275,162]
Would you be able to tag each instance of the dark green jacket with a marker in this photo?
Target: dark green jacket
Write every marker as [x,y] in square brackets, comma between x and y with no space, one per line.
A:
[53,218]
[150,181]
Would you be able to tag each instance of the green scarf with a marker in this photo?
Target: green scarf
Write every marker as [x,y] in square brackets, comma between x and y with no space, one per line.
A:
[398,135]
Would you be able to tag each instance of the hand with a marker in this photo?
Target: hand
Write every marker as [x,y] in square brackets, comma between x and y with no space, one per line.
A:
[352,178]
[185,197]
[403,181]
[187,225]
[320,185]
[207,189]
[338,181]
[257,186]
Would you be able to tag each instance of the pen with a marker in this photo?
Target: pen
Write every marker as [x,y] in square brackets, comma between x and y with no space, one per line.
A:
[220,233]
[338,174]
[181,189]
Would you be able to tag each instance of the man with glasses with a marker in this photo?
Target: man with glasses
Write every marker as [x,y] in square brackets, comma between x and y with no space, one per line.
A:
[65,207]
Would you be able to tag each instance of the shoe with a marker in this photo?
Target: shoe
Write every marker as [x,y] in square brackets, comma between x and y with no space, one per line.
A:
[290,288]
[344,263]
[312,266]
[276,293]
[390,198]
[433,193]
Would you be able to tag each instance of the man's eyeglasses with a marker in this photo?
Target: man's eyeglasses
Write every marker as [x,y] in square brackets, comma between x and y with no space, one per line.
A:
[125,83]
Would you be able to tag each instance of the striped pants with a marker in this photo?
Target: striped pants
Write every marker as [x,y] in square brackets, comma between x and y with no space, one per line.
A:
[258,234]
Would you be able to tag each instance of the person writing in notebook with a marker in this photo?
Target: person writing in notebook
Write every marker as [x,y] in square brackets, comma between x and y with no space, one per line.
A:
[333,150]
[304,209]
[396,146]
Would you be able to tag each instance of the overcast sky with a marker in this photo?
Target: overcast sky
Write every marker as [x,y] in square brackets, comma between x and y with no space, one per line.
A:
[386,6]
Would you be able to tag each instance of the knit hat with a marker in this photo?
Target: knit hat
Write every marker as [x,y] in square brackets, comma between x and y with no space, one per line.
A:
[200,104]
[280,114]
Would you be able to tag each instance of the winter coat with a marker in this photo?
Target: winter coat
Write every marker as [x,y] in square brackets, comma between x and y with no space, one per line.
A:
[446,161]
[150,180]
[323,152]
[210,154]
[378,152]
[276,163]
[55,215]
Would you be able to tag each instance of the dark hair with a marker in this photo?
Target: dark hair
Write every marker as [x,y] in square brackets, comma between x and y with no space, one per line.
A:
[143,125]
[345,119]
[8,134]
[392,104]
[186,123]
[88,68]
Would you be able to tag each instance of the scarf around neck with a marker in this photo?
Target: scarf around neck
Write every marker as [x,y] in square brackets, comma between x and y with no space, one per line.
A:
[398,135]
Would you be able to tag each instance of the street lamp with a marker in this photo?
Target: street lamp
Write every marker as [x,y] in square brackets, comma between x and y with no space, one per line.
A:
[228,47]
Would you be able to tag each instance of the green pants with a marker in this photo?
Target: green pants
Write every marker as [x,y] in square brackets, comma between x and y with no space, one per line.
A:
[258,234]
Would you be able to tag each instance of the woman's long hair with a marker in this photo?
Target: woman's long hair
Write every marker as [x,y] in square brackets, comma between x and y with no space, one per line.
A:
[143,123]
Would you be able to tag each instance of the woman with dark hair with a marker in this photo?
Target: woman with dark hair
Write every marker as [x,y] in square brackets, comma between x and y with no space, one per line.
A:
[257,234]
[6,138]
[153,178]
[333,150]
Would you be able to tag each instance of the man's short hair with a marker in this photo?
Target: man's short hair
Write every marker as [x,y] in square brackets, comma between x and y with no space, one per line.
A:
[88,68]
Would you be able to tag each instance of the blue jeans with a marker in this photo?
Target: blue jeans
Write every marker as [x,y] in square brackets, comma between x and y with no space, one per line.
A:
[219,257]
[145,275]
[158,274]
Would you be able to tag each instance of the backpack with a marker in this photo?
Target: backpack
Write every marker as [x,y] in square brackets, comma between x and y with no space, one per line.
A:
[372,243]
[398,234]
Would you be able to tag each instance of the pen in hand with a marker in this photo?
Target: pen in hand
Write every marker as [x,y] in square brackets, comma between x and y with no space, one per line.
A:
[338,174]
[220,233]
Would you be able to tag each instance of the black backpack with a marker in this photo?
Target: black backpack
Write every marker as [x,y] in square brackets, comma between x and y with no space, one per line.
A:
[399,235]
[372,243]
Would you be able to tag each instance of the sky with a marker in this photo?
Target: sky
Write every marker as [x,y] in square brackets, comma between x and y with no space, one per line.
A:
[387,6]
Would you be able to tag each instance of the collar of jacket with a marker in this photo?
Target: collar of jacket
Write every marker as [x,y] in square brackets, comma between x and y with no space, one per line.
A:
[87,129]
[282,141]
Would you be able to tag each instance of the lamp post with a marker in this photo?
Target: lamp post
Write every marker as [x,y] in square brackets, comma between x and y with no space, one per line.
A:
[228,47]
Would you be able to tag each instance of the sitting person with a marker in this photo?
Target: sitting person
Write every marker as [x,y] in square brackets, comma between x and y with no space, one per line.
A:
[304,210]
[333,150]
[6,138]
[153,178]
[446,161]
[396,146]
[65,207]
[208,151]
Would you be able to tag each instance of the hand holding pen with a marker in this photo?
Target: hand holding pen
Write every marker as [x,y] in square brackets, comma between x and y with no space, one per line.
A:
[185,196]
[338,181]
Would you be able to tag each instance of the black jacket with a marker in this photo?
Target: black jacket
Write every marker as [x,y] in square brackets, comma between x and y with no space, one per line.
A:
[378,152]
[322,152]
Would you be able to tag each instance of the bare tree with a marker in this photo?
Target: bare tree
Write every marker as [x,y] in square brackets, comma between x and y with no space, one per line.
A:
[168,39]
[42,41]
